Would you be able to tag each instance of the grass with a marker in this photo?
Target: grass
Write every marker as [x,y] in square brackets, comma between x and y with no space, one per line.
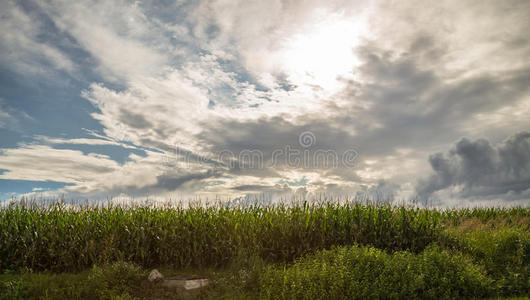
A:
[326,251]
[115,281]
[60,239]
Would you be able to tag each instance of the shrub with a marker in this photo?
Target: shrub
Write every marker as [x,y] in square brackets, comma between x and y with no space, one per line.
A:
[365,272]
[116,280]
[505,254]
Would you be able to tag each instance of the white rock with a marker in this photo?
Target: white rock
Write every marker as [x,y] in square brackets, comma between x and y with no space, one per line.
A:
[155,275]
[185,284]
[196,284]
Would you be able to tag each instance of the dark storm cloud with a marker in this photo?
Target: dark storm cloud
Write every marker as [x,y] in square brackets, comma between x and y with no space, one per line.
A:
[256,171]
[414,106]
[174,154]
[481,169]
[167,182]
[134,120]
[251,187]
[171,182]
[268,134]
[265,136]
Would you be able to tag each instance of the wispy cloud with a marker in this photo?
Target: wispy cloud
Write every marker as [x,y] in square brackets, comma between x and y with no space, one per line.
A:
[21,45]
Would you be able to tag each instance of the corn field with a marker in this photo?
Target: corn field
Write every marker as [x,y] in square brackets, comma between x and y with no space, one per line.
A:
[60,238]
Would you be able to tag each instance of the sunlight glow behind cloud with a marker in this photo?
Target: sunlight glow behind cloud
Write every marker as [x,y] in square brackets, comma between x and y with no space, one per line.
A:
[333,38]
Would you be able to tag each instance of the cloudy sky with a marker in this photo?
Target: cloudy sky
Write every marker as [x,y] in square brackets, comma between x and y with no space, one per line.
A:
[175,99]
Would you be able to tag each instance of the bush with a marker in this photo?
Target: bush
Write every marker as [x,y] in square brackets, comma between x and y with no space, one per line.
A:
[367,273]
[117,280]
[505,254]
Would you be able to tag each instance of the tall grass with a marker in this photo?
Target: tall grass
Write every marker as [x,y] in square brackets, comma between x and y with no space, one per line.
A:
[61,238]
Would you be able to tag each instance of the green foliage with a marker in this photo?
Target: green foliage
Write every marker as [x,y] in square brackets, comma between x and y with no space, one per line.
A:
[370,273]
[114,281]
[504,253]
[61,239]
[480,252]
[240,280]
[12,288]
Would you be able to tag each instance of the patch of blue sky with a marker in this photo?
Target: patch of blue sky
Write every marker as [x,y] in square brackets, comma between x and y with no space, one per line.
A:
[241,74]
[168,11]
[301,182]
[217,182]
[212,31]
[284,83]
[55,111]
[10,138]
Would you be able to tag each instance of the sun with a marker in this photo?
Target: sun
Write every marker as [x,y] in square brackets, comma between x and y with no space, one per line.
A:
[323,52]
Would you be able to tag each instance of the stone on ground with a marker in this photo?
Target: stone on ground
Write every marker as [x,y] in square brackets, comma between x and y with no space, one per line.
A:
[155,275]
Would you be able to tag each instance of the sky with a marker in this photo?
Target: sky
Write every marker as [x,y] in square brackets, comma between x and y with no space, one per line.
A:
[413,101]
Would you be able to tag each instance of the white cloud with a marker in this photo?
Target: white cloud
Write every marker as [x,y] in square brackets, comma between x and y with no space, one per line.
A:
[164,110]
[82,141]
[41,163]
[123,40]
[21,47]
[470,37]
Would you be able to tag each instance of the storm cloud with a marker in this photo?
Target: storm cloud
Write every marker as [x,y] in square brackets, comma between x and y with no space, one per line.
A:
[478,169]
